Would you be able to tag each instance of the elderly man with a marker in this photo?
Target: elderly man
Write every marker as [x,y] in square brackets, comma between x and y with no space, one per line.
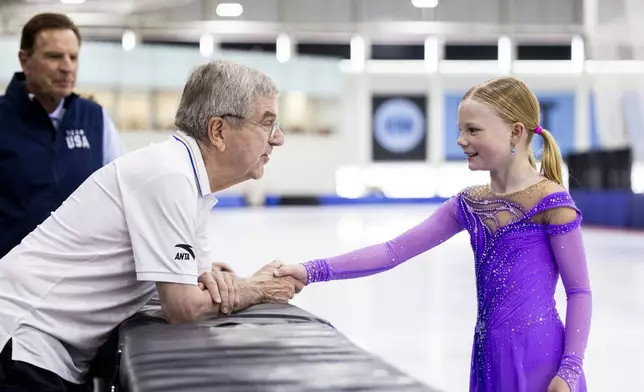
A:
[51,139]
[136,225]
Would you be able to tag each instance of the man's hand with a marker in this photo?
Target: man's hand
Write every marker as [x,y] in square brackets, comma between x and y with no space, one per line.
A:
[224,288]
[273,289]
[274,268]
[228,290]
[218,267]
[222,267]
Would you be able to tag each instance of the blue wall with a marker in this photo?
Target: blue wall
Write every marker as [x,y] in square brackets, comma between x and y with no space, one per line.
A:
[452,150]
[594,134]
[560,121]
[558,117]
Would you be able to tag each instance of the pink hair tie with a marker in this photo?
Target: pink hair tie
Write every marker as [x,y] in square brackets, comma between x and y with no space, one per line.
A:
[538,130]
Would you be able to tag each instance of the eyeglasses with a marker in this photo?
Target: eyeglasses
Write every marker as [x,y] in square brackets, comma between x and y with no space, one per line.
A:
[270,129]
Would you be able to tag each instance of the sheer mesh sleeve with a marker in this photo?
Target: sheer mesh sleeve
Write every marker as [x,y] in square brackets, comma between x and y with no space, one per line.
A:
[568,248]
[439,227]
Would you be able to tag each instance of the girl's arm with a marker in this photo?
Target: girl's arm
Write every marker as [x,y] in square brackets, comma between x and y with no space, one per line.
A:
[439,227]
[568,248]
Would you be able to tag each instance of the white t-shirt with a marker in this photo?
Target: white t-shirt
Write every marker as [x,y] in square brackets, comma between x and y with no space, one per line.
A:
[143,218]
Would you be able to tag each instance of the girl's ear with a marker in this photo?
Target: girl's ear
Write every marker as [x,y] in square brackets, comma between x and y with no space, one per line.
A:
[518,130]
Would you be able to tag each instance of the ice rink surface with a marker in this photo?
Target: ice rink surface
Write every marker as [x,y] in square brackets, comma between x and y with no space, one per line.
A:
[420,316]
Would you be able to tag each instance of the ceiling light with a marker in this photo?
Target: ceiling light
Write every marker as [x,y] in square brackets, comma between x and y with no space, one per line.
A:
[424,3]
[129,40]
[72,1]
[432,54]
[283,48]
[229,10]
[505,54]
[577,51]
[358,53]
[207,45]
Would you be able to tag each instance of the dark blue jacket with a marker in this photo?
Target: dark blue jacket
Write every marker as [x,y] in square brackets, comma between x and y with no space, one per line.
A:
[40,166]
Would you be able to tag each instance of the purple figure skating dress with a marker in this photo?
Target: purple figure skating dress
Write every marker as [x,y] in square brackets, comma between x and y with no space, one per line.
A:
[522,242]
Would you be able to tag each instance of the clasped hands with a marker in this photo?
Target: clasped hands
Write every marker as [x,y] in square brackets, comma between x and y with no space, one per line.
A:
[233,293]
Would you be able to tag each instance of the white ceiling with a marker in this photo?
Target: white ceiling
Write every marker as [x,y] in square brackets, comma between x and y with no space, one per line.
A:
[320,20]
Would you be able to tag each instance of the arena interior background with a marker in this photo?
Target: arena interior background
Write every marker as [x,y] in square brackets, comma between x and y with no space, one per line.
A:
[341,65]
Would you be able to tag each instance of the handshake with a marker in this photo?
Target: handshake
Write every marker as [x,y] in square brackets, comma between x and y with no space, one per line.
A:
[273,283]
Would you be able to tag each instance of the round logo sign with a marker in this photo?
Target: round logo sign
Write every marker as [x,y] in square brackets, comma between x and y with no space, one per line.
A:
[399,125]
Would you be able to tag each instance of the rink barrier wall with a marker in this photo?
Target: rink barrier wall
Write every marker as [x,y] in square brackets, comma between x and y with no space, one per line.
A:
[614,209]
[333,200]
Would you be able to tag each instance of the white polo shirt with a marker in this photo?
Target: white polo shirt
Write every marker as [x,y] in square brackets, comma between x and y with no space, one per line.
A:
[143,218]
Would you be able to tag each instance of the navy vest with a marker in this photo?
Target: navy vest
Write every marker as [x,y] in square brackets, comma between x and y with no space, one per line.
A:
[40,166]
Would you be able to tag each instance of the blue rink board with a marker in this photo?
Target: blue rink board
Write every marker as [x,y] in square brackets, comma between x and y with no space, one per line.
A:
[616,209]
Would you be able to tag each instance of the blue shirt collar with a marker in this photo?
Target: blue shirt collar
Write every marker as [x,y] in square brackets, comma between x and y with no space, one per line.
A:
[197,162]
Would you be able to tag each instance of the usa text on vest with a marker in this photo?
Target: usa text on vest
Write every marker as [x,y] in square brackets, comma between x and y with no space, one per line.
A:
[76,139]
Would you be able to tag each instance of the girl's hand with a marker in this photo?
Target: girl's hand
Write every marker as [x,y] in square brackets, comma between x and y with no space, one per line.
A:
[558,385]
[296,271]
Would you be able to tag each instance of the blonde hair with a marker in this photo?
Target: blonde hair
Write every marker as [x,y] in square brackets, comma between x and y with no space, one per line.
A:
[515,102]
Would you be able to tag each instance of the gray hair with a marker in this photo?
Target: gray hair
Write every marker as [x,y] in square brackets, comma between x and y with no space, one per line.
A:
[220,88]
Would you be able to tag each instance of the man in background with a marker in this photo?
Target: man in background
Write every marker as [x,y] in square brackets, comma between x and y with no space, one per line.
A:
[51,140]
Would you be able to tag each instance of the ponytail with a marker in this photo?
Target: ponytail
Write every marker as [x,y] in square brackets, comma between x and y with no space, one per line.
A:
[551,161]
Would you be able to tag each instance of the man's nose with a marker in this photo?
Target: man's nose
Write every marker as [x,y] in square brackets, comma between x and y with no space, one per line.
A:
[277,139]
[66,64]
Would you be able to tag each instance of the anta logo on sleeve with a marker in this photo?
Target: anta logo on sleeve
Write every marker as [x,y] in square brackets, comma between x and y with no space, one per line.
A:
[185,252]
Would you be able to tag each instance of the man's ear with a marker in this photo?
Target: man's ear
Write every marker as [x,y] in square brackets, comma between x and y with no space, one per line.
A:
[216,133]
[23,56]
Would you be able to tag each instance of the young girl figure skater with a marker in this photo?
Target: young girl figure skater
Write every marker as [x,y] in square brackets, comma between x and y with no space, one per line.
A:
[524,231]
